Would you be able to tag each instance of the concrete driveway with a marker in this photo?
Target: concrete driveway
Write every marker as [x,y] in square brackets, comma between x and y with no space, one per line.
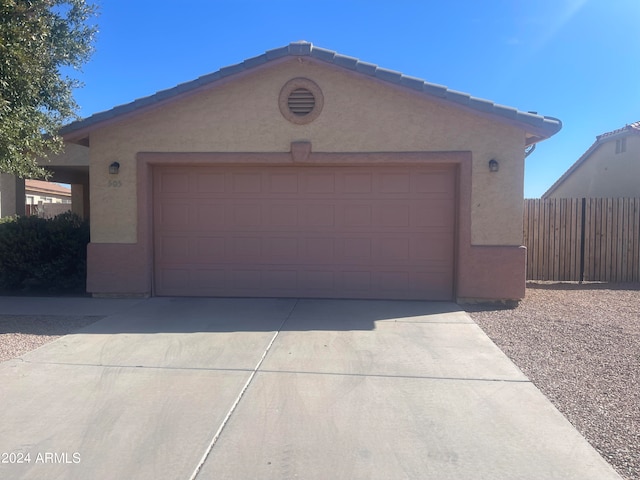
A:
[177,388]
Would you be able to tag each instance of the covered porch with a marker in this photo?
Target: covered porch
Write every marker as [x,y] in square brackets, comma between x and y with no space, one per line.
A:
[70,167]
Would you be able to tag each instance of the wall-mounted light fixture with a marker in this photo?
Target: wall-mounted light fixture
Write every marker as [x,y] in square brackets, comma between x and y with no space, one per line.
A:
[114,168]
[494,166]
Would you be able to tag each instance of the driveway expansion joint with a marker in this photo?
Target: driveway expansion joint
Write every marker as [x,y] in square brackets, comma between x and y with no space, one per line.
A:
[416,377]
[235,404]
[135,367]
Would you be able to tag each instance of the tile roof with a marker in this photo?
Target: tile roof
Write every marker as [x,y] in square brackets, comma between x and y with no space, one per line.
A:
[46,188]
[542,126]
[632,128]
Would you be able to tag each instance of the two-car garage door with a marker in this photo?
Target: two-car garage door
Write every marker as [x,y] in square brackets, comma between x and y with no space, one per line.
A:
[321,231]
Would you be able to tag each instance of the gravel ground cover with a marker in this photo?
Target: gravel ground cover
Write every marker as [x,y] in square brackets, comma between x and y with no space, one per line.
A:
[21,334]
[580,345]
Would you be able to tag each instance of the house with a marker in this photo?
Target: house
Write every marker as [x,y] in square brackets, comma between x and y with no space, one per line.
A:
[610,168]
[306,173]
[46,199]
[38,191]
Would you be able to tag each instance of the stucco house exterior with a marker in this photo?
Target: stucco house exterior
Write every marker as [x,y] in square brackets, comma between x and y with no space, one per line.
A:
[46,199]
[38,191]
[610,168]
[306,173]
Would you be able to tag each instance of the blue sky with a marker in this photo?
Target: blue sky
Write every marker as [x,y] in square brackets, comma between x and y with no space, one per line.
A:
[577,60]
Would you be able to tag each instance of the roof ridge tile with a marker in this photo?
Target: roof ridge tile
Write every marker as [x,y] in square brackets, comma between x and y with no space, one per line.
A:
[323,54]
[300,48]
[413,83]
[388,75]
[277,52]
[346,61]
[256,61]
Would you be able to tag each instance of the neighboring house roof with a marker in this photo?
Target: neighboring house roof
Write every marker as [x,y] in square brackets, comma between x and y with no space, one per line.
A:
[39,187]
[630,129]
[538,127]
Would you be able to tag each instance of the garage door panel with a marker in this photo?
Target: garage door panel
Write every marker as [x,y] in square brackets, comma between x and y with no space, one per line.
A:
[209,250]
[243,216]
[318,183]
[208,183]
[246,182]
[360,182]
[175,216]
[282,215]
[434,246]
[318,281]
[359,215]
[170,182]
[318,250]
[356,282]
[249,248]
[246,279]
[318,215]
[280,279]
[434,182]
[174,278]
[282,249]
[392,281]
[358,249]
[438,213]
[209,217]
[395,183]
[392,214]
[392,250]
[207,278]
[437,283]
[283,183]
[174,249]
[360,232]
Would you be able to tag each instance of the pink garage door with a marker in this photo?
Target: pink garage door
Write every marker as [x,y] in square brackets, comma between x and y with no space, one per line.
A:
[280,231]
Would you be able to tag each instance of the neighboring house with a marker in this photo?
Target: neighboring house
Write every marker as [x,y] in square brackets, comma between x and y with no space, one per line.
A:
[305,173]
[46,199]
[37,191]
[609,168]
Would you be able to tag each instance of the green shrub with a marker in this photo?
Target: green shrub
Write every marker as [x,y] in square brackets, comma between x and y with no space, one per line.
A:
[45,255]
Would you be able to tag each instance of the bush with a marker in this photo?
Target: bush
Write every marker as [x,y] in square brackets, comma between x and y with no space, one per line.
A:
[43,255]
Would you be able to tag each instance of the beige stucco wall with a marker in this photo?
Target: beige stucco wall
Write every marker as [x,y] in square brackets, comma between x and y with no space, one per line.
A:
[72,155]
[360,114]
[605,173]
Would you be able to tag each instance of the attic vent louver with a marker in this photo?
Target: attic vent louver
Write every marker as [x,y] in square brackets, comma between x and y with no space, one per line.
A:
[301,101]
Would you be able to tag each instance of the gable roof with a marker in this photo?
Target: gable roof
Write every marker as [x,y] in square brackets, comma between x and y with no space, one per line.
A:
[630,129]
[46,188]
[538,127]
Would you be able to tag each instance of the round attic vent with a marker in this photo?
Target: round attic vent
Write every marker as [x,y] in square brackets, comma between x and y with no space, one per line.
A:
[301,101]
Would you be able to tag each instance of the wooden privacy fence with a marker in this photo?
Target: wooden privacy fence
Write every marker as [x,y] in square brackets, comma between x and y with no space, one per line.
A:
[583,239]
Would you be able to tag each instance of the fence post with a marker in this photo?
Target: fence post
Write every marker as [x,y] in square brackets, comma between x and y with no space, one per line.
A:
[582,238]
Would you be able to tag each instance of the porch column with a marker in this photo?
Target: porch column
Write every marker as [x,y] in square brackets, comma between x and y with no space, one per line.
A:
[80,199]
[12,197]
